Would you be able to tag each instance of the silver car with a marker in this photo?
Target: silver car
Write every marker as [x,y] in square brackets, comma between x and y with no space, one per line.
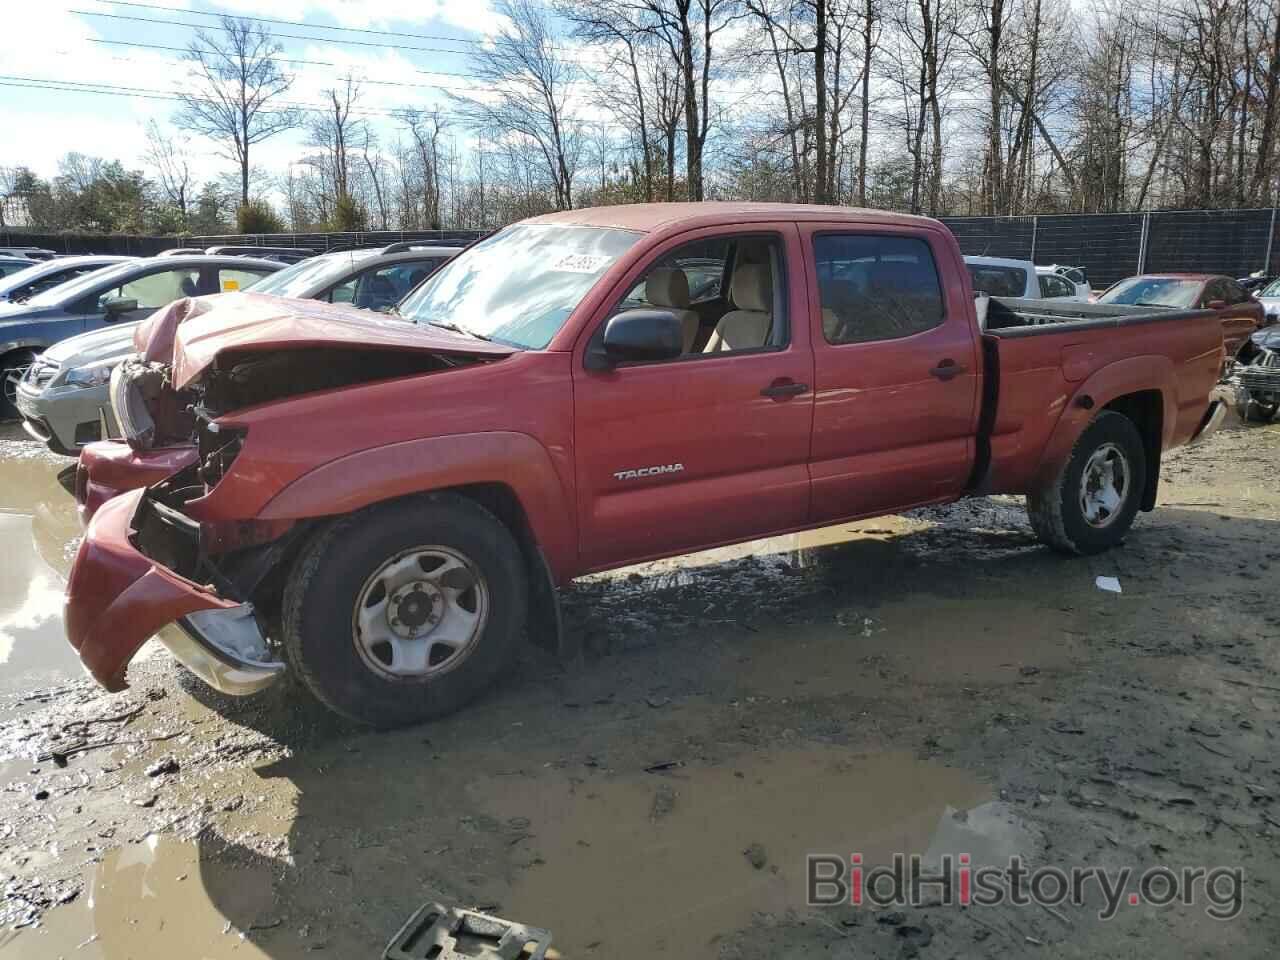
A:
[42,275]
[62,397]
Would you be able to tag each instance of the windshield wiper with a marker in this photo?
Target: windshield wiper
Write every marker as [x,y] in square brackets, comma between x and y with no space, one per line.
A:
[445,325]
[1148,303]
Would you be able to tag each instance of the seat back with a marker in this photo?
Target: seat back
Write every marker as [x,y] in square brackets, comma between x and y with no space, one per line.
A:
[747,327]
[668,287]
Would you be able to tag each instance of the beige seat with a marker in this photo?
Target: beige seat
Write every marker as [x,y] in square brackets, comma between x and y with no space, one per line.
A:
[748,326]
[669,287]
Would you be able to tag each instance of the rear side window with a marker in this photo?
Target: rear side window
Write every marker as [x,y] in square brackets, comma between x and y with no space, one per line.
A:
[876,287]
[998,281]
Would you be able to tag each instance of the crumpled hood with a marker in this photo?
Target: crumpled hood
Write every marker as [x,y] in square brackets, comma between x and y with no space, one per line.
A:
[259,322]
[96,345]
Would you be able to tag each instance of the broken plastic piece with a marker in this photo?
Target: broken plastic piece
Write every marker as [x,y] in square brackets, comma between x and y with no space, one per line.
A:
[451,933]
[1110,584]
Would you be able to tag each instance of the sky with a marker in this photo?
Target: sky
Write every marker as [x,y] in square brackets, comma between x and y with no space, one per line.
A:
[409,51]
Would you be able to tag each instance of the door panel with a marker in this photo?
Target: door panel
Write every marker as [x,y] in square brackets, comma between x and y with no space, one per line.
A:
[690,453]
[895,414]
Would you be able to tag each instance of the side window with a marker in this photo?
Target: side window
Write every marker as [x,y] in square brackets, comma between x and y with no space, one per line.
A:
[1213,290]
[746,314]
[876,287]
[157,290]
[230,279]
[383,287]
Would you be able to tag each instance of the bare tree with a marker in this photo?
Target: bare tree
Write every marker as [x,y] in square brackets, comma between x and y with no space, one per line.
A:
[172,167]
[532,101]
[234,90]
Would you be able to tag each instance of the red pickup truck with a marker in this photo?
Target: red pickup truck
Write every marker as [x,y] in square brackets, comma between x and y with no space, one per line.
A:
[386,505]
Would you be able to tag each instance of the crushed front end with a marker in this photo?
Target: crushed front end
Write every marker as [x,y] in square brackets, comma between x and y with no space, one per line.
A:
[207,590]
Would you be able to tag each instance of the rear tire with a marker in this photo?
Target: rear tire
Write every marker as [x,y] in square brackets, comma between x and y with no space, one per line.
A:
[372,598]
[1092,502]
[13,366]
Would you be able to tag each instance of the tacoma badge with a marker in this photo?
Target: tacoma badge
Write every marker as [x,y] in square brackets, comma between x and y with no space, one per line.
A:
[649,471]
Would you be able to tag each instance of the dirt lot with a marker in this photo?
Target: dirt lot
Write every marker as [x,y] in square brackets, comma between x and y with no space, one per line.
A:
[929,683]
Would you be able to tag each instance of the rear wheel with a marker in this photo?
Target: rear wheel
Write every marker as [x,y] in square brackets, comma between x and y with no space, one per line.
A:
[406,611]
[1091,504]
[13,367]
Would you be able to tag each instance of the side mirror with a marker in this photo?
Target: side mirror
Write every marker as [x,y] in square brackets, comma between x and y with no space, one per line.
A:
[642,335]
[1216,305]
[119,305]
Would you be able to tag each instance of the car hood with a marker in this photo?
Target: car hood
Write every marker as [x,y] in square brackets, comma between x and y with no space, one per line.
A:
[86,348]
[255,322]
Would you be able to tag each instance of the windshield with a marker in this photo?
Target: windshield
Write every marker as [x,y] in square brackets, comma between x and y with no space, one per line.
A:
[519,286]
[296,280]
[1272,289]
[1153,292]
[75,289]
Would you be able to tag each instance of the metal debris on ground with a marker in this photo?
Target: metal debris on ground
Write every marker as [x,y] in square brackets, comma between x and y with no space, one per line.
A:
[1110,584]
[451,933]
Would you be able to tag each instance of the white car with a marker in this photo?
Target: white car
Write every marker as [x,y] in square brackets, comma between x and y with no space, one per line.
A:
[1269,297]
[1001,277]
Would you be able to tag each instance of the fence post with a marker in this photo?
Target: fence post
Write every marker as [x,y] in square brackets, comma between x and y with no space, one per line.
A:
[1035,227]
[1142,243]
[1271,235]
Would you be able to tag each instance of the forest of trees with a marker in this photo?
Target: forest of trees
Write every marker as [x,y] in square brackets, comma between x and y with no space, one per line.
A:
[959,107]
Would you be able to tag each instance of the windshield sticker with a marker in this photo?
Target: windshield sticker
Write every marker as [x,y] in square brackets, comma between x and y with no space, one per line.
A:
[582,263]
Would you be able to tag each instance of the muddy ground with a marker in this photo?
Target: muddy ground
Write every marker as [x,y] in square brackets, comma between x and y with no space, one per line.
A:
[930,683]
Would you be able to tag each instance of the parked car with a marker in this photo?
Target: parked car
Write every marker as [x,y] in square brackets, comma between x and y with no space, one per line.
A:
[1240,313]
[398,502]
[109,297]
[281,254]
[1259,374]
[46,274]
[1269,297]
[1053,276]
[60,409]
[1001,277]
[375,279]
[11,265]
[27,253]
[1256,281]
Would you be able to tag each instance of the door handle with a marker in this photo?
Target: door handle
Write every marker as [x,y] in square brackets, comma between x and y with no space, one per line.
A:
[947,369]
[783,389]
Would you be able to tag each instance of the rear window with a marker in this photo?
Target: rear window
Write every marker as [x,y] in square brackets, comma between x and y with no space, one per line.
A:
[998,281]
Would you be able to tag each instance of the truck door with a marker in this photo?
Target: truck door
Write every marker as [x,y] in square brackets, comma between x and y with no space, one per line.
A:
[896,369]
[713,446]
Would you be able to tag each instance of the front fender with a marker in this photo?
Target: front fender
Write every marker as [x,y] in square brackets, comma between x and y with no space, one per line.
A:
[1132,375]
[515,460]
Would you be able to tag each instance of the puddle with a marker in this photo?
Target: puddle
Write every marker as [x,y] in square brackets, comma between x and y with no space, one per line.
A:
[631,866]
[157,898]
[38,533]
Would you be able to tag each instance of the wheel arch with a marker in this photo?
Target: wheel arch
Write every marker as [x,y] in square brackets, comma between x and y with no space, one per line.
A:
[1144,389]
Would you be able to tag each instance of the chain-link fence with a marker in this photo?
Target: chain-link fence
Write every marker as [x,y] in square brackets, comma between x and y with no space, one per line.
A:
[1109,245]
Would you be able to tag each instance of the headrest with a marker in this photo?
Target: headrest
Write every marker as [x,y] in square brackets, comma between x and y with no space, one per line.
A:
[751,288]
[667,287]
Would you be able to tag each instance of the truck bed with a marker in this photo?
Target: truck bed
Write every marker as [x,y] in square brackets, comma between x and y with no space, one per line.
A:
[1009,317]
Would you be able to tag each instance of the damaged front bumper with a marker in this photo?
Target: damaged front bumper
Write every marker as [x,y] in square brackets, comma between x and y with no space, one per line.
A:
[117,598]
[109,468]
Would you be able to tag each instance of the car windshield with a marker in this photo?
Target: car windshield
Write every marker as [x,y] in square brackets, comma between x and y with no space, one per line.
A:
[1153,292]
[519,286]
[1272,289]
[79,287]
[295,280]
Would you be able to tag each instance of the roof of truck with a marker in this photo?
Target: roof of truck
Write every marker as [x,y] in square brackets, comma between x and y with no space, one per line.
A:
[645,217]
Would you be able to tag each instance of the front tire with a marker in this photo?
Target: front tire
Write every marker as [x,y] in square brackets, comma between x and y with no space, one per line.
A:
[407,611]
[1092,502]
[1255,412]
[13,367]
